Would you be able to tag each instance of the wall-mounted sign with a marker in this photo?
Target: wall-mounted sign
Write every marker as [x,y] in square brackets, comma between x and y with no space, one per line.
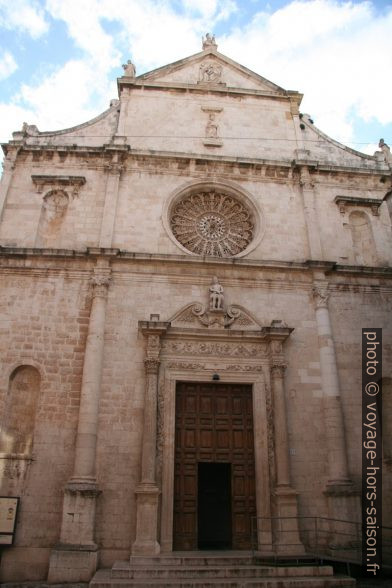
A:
[8,511]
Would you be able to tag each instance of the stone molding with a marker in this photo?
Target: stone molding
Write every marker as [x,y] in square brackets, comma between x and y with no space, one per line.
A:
[58,183]
[344,201]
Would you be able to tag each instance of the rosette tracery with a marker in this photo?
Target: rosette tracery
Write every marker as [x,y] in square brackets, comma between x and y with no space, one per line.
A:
[211,222]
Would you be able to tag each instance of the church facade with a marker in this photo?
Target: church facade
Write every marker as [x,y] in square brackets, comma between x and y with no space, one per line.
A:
[184,283]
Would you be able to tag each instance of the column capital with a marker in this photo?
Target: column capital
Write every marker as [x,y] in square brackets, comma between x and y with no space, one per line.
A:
[305,179]
[114,168]
[151,365]
[320,294]
[100,282]
[278,370]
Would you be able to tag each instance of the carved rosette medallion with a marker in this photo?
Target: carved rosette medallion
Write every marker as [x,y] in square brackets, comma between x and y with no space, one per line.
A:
[212,223]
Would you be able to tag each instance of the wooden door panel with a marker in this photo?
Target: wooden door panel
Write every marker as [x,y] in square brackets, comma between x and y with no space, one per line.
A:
[214,423]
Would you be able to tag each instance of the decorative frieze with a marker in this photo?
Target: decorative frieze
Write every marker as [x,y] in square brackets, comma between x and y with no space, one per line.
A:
[202,348]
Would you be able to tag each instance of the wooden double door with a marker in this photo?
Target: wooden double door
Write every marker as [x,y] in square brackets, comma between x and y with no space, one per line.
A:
[214,479]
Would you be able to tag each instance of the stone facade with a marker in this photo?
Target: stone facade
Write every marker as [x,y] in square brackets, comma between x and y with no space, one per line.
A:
[110,234]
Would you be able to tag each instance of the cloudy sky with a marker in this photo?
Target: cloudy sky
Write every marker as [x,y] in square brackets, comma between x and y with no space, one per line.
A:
[59,59]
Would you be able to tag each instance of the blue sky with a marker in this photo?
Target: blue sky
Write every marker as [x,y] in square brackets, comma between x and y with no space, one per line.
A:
[59,59]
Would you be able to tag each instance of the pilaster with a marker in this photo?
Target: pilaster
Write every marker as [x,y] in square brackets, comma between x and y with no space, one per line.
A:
[8,170]
[340,491]
[311,219]
[147,492]
[285,497]
[114,170]
[75,558]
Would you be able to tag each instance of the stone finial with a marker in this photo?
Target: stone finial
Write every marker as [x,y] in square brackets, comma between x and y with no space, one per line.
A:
[208,42]
[129,69]
[216,295]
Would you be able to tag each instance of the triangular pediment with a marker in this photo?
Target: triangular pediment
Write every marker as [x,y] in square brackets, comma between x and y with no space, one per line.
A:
[209,68]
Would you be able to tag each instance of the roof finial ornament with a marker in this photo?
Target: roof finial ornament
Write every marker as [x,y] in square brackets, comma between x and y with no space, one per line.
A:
[209,42]
[386,150]
[129,69]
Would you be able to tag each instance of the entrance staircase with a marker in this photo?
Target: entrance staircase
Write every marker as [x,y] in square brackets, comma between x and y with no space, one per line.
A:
[209,569]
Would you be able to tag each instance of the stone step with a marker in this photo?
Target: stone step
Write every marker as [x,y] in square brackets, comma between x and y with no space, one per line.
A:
[124,570]
[103,579]
[194,558]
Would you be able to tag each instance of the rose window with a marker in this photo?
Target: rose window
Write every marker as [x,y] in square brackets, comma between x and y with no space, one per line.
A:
[212,223]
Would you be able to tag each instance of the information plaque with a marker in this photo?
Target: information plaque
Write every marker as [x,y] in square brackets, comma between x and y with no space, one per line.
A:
[8,511]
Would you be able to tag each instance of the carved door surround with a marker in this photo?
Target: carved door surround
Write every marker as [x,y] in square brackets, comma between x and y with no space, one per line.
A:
[195,345]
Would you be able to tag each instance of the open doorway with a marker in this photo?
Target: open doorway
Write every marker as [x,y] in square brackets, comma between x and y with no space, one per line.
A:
[214,506]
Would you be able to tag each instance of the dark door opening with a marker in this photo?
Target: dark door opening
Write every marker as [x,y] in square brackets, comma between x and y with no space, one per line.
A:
[214,506]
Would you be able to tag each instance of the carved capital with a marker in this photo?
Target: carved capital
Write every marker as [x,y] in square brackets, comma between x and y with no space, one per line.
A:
[100,283]
[305,179]
[114,168]
[151,365]
[320,295]
[278,370]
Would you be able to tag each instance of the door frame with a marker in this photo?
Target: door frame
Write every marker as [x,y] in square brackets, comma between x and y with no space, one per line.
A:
[201,370]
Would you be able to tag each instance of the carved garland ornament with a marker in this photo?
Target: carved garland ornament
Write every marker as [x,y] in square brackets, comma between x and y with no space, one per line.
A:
[212,223]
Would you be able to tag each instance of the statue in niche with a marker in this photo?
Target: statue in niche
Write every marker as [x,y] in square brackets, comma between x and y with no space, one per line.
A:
[209,41]
[129,69]
[54,208]
[216,295]
[210,73]
[211,127]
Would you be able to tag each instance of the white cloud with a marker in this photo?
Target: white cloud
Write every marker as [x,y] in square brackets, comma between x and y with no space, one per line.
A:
[23,15]
[337,54]
[64,98]
[210,9]
[7,65]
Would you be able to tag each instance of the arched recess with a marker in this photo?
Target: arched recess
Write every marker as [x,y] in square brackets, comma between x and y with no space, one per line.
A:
[362,237]
[54,208]
[18,422]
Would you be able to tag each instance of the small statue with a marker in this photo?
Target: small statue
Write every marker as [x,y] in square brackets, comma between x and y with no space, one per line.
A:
[211,127]
[129,69]
[385,150]
[29,129]
[216,295]
[209,42]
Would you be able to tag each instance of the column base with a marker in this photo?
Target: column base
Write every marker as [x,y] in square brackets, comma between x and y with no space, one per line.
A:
[147,499]
[344,509]
[72,563]
[286,532]
[78,523]
[344,501]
